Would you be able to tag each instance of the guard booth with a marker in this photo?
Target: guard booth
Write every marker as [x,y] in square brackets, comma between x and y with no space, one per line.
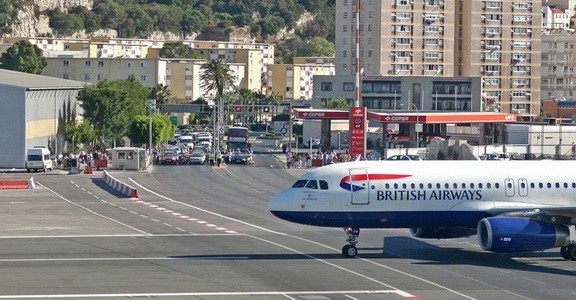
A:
[129,158]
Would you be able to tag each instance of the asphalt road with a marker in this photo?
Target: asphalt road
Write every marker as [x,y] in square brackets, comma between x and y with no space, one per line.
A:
[198,232]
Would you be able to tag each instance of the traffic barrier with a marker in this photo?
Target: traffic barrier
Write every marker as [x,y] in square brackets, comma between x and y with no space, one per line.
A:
[101,163]
[13,184]
[119,186]
[31,183]
[88,169]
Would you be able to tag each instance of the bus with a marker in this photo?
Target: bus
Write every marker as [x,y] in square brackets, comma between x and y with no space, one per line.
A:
[238,138]
[237,134]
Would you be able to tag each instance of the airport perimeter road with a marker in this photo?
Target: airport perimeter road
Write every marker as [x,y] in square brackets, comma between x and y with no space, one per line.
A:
[198,232]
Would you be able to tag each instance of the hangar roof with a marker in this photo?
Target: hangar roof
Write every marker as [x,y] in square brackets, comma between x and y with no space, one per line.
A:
[32,81]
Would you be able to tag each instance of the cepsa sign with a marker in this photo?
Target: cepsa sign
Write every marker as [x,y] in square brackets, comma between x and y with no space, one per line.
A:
[358,132]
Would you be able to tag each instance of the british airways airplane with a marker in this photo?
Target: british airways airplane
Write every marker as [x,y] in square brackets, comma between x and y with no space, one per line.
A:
[513,206]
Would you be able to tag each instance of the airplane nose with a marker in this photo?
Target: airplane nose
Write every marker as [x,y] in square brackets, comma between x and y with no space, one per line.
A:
[279,202]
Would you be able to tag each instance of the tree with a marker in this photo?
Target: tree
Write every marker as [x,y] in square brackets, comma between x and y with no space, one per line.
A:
[162,130]
[161,93]
[66,24]
[216,77]
[79,133]
[111,106]
[337,103]
[8,14]
[317,47]
[23,57]
[276,99]
[177,50]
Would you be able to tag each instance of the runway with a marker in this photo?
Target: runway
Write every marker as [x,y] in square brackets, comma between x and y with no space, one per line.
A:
[197,232]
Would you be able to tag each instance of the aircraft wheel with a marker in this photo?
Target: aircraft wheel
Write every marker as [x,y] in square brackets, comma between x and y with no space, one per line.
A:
[571,252]
[349,251]
[564,252]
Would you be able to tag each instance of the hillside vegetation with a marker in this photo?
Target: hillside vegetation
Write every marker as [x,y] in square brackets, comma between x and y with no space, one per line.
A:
[139,18]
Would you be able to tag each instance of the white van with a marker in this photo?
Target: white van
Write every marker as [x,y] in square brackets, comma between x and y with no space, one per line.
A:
[38,158]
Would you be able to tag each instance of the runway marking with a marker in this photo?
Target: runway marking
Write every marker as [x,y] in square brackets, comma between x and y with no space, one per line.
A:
[315,243]
[177,214]
[212,294]
[89,210]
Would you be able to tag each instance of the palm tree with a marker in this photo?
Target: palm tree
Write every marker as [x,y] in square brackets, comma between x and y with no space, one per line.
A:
[337,103]
[276,99]
[246,97]
[217,77]
[161,93]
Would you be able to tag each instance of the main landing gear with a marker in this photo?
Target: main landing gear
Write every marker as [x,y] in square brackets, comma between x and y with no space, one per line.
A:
[568,252]
[350,249]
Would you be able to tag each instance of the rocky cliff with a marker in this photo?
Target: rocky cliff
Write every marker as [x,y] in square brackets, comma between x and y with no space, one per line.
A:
[30,24]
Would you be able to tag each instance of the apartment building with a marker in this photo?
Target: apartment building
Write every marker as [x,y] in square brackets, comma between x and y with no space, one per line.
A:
[558,66]
[149,71]
[295,81]
[496,40]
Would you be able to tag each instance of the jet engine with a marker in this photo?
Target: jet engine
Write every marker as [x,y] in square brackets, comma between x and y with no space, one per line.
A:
[442,232]
[520,234]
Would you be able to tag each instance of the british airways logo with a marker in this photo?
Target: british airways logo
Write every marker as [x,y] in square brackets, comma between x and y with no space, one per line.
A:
[357,178]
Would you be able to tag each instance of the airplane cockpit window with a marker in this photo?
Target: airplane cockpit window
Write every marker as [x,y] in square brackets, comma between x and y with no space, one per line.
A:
[312,184]
[323,184]
[300,184]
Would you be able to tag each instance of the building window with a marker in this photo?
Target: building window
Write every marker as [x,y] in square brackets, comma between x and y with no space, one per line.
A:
[326,86]
[66,63]
[100,63]
[87,63]
[130,64]
[143,64]
[143,77]
[65,76]
[348,86]
[87,77]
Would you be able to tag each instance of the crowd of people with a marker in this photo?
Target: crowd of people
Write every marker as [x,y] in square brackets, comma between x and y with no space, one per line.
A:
[305,159]
[72,160]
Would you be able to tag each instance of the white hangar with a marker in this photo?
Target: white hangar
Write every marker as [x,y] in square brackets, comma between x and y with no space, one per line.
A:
[34,111]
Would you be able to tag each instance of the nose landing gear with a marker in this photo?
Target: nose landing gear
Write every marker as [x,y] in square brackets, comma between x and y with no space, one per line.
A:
[350,250]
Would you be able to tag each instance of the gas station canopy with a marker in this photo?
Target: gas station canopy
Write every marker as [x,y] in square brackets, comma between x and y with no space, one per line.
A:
[410,117]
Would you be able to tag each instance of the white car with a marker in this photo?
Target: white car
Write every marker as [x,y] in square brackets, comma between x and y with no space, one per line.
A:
[404,157]
[197,157]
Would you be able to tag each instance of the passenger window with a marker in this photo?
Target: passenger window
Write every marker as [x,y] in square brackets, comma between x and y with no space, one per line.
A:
[488,185]
[323,184]
[396,186]
[463,185]
[496,185]
[480,185]
[446,185]
[404,186]
[387,186]
[438,185]
[565,185]
[548,184]
[300,184]
[412,186]
[573,185]
[421,186]
[430,186]
[312,184]
[531,185]
[540,185]
[471,185]
[455,185]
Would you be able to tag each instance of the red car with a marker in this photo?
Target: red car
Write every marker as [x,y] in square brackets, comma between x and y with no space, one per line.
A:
[169,158]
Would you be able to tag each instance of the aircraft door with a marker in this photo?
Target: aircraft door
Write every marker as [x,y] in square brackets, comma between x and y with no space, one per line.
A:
[522,187]
[509,187]
[360,186]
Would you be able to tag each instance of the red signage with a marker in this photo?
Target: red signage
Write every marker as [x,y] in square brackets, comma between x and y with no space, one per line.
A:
[358,132]
[320,114]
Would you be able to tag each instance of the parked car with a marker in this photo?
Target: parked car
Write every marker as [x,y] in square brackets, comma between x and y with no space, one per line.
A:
[169,157]
[404,157]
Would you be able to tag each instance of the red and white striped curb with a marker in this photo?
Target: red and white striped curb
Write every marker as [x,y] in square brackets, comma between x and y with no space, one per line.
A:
[119,186]
[177,214]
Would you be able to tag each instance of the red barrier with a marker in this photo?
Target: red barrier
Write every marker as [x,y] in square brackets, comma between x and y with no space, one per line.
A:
[13,184]
[101,163]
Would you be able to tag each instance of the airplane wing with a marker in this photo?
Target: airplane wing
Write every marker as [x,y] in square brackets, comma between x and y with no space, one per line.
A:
[554,214]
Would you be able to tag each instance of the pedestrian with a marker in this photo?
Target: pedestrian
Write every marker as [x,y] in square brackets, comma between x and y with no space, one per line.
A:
[288,160]
[211,159]
[219,159]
